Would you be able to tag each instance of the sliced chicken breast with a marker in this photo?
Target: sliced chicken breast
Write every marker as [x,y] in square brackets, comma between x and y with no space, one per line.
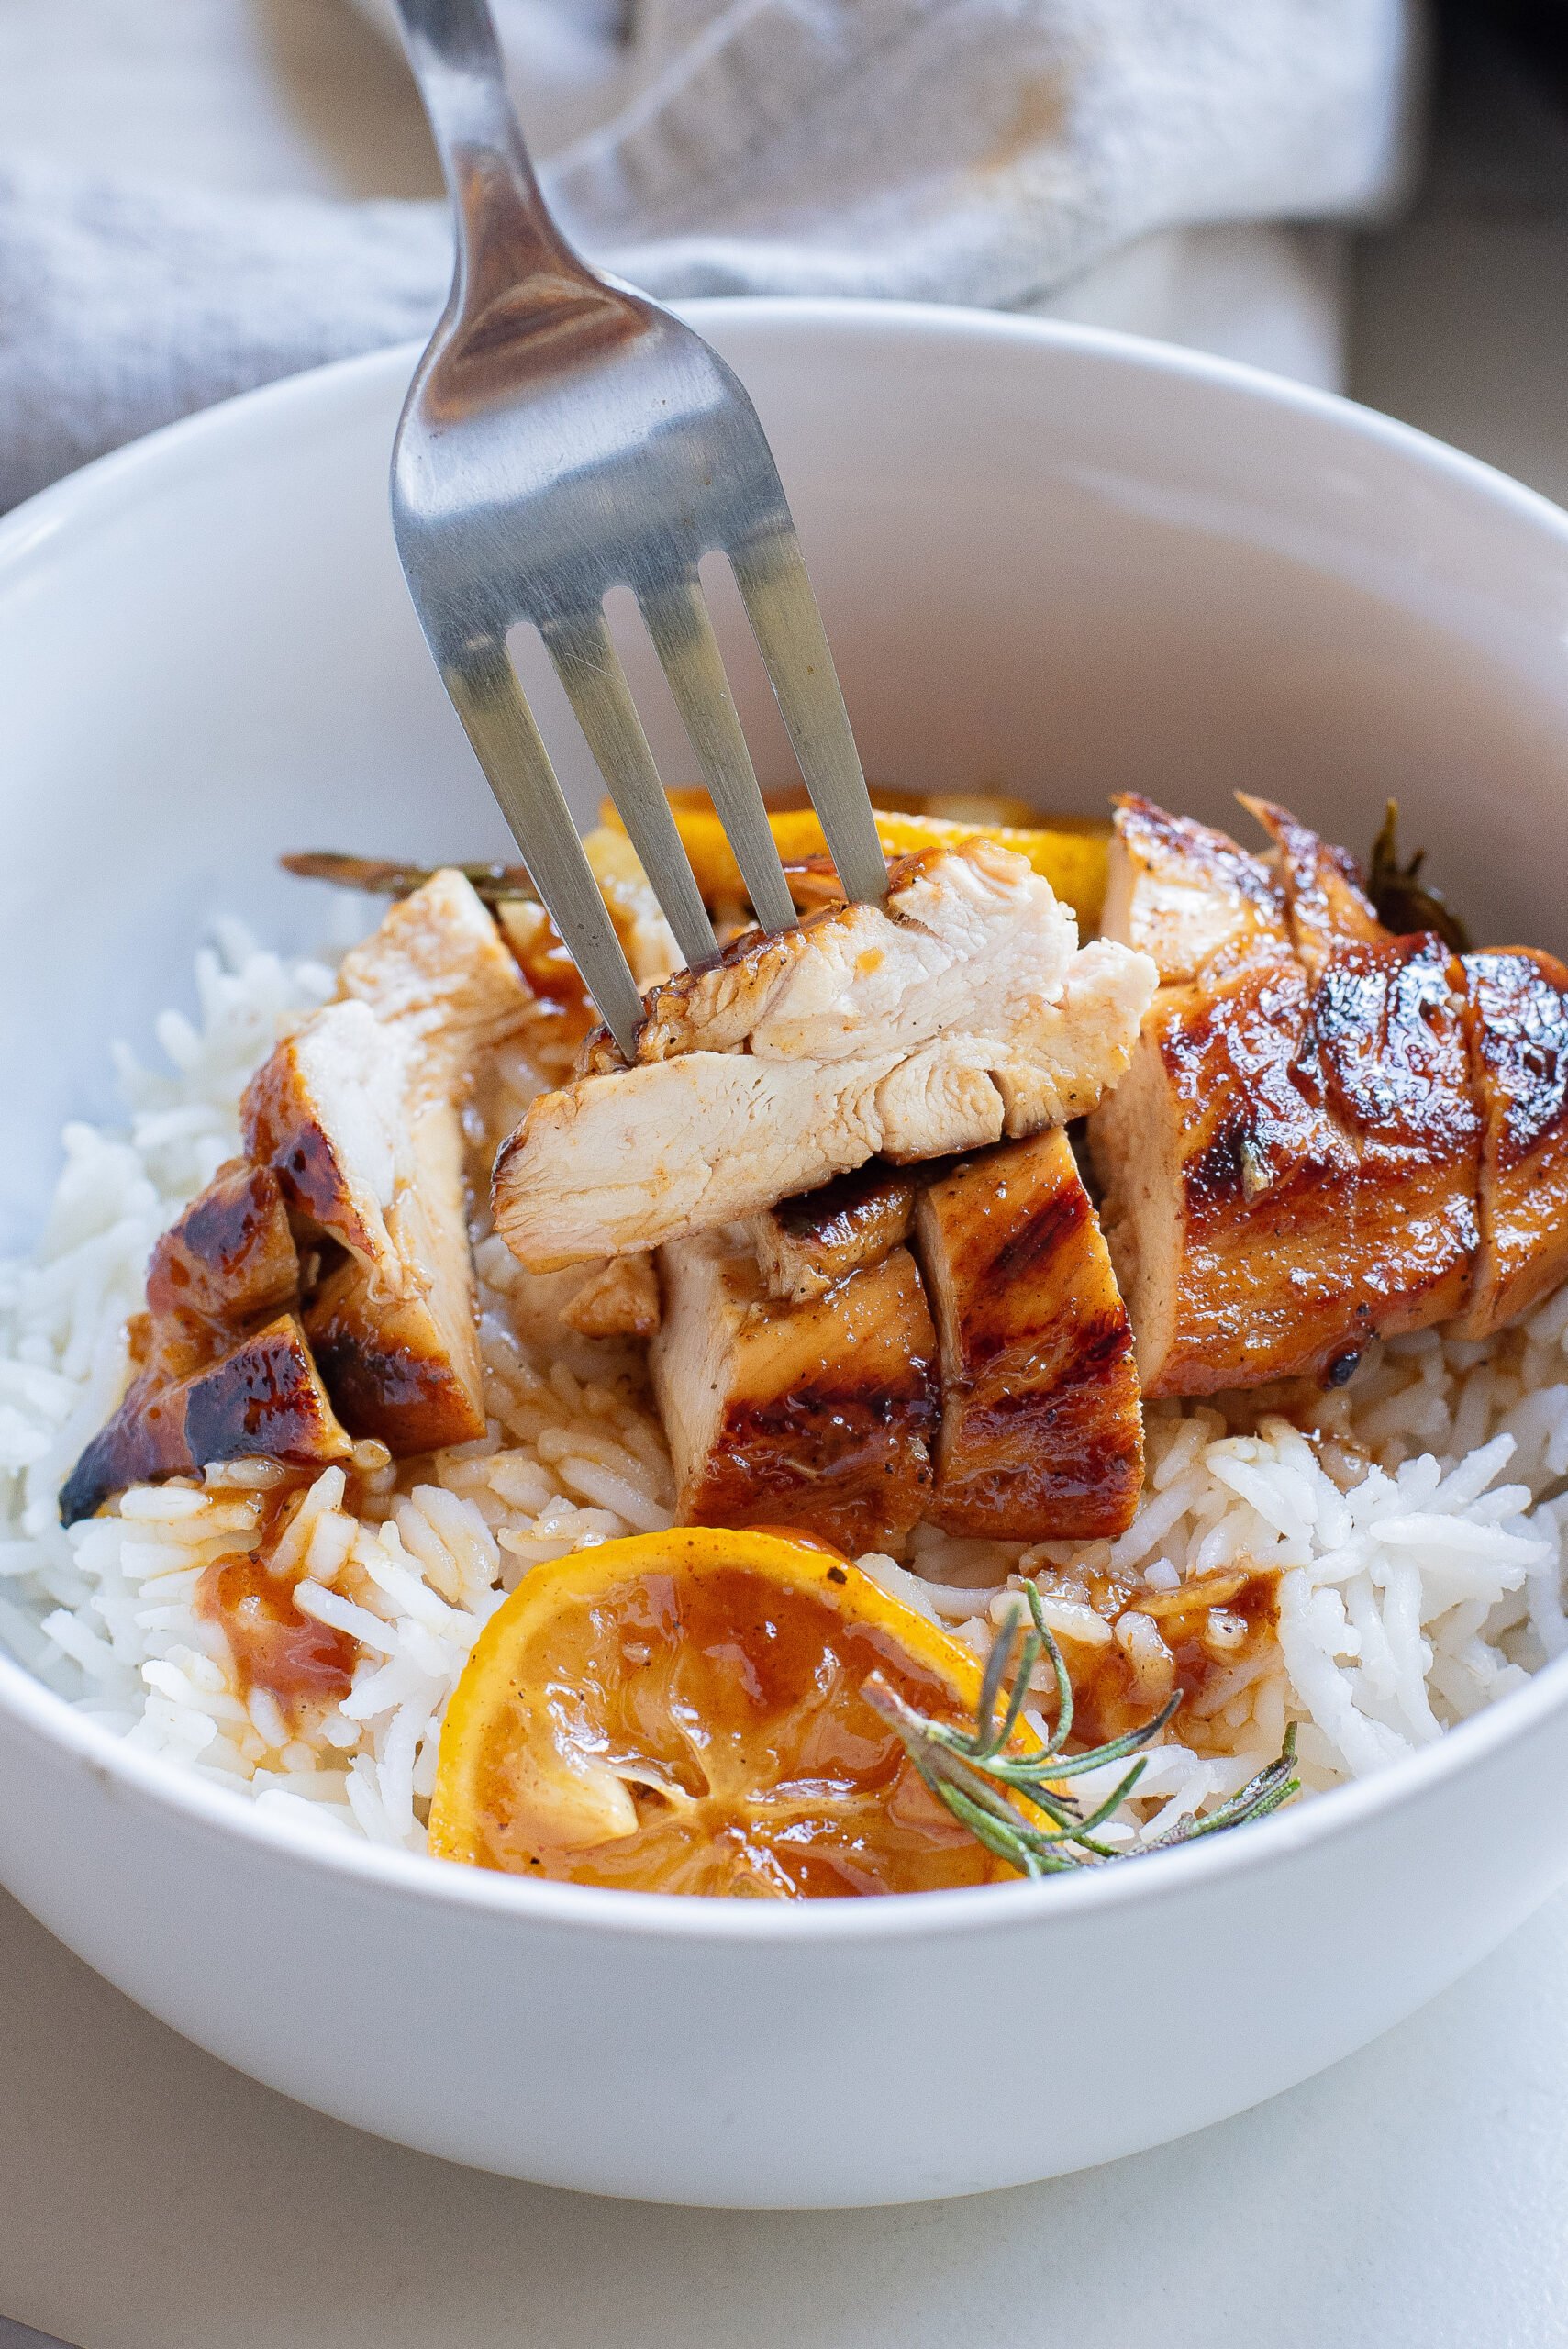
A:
[260,1395]
[1042,1430]
[220,1367]
[1290,1166]
[958,1011]
[214,1374]
[805,1245]
[1179,891]
[1519,1032]
[1325,903]
[358,1111]
[435,973]
[816,1416]
[1387,1040]
[618,1299]
[229,1261]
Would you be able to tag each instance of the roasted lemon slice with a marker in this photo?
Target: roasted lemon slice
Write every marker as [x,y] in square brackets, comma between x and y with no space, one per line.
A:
[1069,850]
[685,1713]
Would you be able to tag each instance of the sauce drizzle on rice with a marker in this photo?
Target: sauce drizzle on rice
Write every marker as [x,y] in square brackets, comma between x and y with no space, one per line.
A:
[306,1666]
[1203,1640]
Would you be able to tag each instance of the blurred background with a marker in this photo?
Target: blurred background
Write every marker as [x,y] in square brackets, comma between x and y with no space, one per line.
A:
[196,195]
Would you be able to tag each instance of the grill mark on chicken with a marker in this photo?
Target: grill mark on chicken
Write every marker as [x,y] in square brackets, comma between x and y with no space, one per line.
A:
[1325,901]
[262,1397]
[279,1136]
[805,1244]
[1042,1432]
[394,1387]
[816,1416]
[1520,999]
[218,1358]
[1387,1041]
[1519,1042]
[230,1255]
[817,1442]
[1029,1250]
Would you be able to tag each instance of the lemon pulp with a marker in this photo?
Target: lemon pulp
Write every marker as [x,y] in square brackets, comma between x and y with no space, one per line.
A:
[686,1712]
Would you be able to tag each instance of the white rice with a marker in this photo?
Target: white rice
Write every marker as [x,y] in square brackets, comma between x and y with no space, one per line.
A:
[1419,1532]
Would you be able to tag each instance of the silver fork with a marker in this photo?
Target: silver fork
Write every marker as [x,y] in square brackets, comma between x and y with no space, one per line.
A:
[563,435]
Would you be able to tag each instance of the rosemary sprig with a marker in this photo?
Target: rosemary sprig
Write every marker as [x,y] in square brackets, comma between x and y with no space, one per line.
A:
[1404,901]
[1015,1803]
[382,877]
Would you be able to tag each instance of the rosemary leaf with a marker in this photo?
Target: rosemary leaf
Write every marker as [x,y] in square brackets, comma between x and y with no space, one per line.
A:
[1403,900]
[992,1791]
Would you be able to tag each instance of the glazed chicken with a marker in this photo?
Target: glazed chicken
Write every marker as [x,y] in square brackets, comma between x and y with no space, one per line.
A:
[322,1288]
[1327,1133]
[959,1010]
[359,1113]
[817,1415]
[805,1245]
[1518,1003]
[834,1195]
[1031,1400]
[1042,1430]
[219,1364]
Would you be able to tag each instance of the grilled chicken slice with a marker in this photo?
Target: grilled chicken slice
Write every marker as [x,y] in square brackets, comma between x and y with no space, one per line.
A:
[219,1364]
[959,1010]
[262,1397]
[1042,1431]
[358,1111]
[1179,892]
[816,1416]
[1290,1166]
[228,1261]
[1325,903]
[435,973]
[618,1299]
[805,1245]
[1518,1024]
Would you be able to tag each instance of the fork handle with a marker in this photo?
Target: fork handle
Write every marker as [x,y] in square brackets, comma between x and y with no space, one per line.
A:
[505,233]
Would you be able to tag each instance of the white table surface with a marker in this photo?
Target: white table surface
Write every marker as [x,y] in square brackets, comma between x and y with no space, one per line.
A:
[1414,2198]
[1417,2196]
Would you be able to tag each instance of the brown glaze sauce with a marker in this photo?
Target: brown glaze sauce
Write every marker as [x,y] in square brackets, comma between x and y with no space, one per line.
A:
[303,1665]
[553,976]
[1108,1697]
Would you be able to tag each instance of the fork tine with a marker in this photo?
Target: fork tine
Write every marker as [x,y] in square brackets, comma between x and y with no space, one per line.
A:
[487,697]
[589,667]
[781,608]
[677,618]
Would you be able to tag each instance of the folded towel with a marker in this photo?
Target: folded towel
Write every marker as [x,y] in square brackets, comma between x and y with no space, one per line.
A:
[1006,152]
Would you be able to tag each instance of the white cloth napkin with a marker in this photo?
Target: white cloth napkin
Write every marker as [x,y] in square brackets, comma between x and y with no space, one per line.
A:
[1131,159]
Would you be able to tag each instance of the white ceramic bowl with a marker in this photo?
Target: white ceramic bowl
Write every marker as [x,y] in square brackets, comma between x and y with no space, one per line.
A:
[1050,560]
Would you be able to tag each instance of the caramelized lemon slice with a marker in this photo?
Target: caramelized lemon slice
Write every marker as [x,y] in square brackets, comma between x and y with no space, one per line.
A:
[685,1713]
[1069,850]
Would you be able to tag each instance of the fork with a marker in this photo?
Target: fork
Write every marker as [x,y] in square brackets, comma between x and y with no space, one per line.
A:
[563,435]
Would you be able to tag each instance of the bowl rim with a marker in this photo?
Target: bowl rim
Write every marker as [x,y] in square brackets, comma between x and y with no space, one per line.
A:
[86,500]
